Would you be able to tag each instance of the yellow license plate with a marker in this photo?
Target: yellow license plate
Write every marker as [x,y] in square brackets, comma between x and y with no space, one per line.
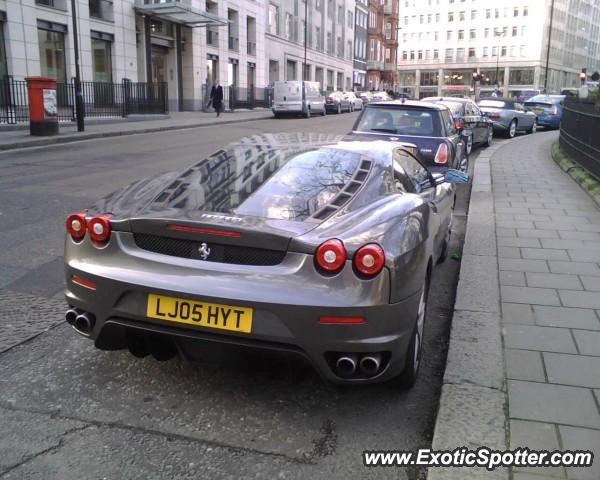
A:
[538,110]
[211,315]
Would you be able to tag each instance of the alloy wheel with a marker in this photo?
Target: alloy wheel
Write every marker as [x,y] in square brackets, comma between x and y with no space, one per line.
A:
[512,129]
[469,144]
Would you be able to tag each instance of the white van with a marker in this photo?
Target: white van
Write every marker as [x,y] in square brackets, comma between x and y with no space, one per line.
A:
[287,98]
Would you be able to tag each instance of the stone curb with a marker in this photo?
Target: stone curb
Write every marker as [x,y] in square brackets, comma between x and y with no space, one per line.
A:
[473,406]
[70,138]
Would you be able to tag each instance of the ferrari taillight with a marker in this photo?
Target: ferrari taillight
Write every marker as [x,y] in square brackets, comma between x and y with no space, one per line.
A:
[76,225]
[99,228]
[331,255]
[369,259]
[441,156]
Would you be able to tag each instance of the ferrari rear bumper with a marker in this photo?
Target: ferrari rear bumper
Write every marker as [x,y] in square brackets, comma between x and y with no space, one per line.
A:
[288,307]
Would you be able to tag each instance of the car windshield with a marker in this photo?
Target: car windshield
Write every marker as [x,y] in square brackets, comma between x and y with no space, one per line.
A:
[415,122]
[304,184]
[543,99]
[491,104]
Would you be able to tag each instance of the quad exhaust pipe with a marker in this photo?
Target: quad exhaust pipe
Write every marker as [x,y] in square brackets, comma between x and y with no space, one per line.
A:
[346,365]
[369,364]
[84,322]
[71,315]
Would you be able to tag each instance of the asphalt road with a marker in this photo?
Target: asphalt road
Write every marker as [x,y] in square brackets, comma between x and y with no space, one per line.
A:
[68,411]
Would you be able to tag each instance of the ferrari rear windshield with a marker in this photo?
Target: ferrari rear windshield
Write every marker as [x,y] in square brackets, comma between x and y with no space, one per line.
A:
[401,121]
[492,104]
[302,185]
[283,183]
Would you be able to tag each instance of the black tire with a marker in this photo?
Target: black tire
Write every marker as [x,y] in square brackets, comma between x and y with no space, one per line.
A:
[307,113]
[446,245]
[324,111]
[276,115]
[469,145]
[489,137]
[409,375]
[512,132]
[339,109]
[533,128]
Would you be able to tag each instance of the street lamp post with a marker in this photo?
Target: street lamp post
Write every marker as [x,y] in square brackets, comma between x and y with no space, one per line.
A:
[305,38]
[78,93]
[548,49]
[498,34]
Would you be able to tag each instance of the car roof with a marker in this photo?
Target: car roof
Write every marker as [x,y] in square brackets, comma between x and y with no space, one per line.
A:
[510,102]
[546,97]
[408,104]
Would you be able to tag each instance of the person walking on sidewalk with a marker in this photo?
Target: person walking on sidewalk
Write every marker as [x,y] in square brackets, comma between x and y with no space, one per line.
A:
[216,97]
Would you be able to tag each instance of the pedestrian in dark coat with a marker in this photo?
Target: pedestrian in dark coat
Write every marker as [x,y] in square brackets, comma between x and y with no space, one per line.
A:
[216,97]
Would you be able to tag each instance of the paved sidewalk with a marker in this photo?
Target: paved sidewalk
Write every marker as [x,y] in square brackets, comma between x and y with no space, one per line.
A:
[548,239]
[12,139]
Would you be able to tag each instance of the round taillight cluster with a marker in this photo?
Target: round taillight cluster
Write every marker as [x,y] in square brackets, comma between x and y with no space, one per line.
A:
[331,255]
[368,261]
[98,227]
[76,225]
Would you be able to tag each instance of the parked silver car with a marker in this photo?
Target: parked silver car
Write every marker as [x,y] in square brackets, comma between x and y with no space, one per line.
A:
[508,115]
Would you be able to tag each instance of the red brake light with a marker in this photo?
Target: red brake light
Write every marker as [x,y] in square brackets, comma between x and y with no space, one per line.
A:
[84,282]
[99,228]
[76,225]
[441,156]
[331,255]
[342,320]
[369,259]
[494,116]
[459,123]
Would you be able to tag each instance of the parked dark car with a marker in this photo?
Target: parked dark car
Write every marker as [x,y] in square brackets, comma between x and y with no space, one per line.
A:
[476,127]
[429,126]
[508,115]
[547,108]
[301,244]
[337,102]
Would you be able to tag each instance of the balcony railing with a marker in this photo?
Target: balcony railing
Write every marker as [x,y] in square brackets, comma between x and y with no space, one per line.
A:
[251,48]
[102,9]
[234,43]
[212,37]
[390,67]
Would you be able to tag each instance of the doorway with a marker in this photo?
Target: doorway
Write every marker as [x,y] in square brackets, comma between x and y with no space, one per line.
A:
[159,64]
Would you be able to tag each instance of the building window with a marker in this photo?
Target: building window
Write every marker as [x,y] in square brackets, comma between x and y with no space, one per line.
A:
[473,14]
[521,76]
[436,36]
[472,34]
[435,54]
[486,33]
[449,35]
[449,55]
[290,71]
[102,60]
[496,13]
[420,55]
[522,50]
[429,17]
[52,55]
[450,16]
[471,53]
[412,54]
[461,34]
[514,31]
[289,26]
[513,50]
[340,14]
[350,19]
[461,16]
[460,54]
[525,11]
[349,43]
[404,55]
[319,38]
[485,52]
[523,30]
[273,19]
[494,51]
[405,20]
[488,13]
[421,18]
[437,18]
[516,12]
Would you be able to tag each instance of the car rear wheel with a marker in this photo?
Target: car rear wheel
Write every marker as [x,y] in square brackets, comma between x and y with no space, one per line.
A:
[339,108]
[512,129]
[469,144]
[489,138]
[414,354]
[533,128]
[307,113]
[324,112]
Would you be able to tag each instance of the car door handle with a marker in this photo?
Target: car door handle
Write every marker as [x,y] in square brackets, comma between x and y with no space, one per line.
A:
[433,207]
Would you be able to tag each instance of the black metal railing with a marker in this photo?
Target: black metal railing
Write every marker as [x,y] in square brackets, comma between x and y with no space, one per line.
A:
[579,133]
[242,97]
[100,100]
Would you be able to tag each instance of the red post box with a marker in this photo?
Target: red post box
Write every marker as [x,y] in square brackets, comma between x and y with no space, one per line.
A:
[43,107]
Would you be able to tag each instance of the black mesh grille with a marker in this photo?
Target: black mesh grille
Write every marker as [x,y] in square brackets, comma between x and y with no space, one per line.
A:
[218,252]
